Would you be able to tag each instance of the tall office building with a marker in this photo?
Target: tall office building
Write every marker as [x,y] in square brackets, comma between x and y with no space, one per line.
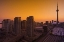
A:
[30,26]
[17,26]
[7,25]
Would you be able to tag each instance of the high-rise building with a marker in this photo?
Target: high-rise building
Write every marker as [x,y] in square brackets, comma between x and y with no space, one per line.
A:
[7,25]
[17,26]
[30,26]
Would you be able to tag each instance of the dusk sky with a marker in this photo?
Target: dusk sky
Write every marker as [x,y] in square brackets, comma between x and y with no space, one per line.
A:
[42,10]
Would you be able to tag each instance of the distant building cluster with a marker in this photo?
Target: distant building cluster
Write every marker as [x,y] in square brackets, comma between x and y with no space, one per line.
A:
[15,27]
[20,27]
[25,28]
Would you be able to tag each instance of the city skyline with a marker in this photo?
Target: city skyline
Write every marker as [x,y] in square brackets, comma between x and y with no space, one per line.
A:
[31,21]
[42,10]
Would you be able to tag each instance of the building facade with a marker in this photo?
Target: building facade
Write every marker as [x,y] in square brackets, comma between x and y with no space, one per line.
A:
[30,26]
[7,25]
[17,26]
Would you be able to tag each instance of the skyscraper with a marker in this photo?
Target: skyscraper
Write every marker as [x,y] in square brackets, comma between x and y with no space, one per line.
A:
[6,24]
[57,13]
[17,25]
[30,26]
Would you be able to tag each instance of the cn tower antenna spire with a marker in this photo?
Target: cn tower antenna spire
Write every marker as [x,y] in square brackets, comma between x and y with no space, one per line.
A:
[57,13]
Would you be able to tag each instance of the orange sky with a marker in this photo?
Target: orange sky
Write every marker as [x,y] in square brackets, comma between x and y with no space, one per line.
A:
[42,10]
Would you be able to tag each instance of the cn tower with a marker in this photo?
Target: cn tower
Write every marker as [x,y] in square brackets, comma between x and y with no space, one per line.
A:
[57,13]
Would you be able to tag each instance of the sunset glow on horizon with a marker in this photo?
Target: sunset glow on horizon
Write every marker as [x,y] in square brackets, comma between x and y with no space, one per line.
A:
[42,10]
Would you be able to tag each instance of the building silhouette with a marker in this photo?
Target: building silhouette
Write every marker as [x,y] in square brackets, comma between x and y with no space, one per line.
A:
[7,25]
[17,26]
[57,13]
[30,26]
